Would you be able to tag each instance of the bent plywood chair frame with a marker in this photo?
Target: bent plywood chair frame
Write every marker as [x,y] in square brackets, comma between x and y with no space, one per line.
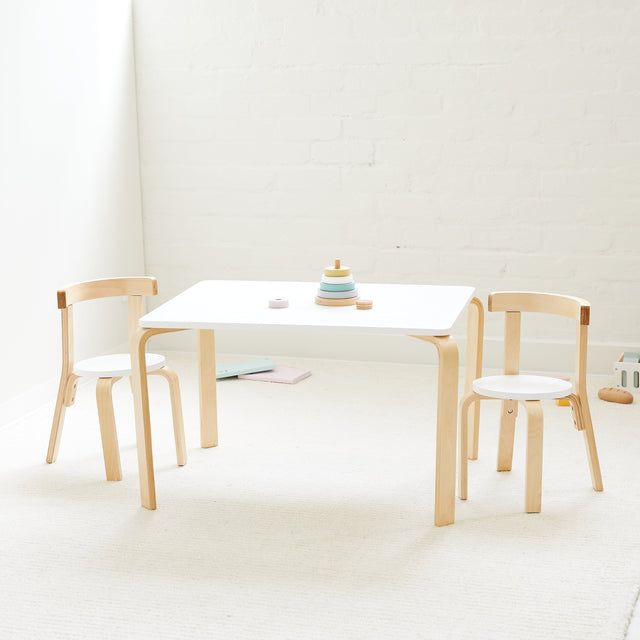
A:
[513,304]
[135,288]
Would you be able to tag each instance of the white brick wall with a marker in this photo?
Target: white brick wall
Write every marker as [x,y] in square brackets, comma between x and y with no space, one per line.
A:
[494,144]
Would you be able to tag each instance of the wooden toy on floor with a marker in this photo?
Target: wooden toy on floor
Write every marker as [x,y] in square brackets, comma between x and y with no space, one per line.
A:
[615,394]
[364,304]
[627,372]
[337,287]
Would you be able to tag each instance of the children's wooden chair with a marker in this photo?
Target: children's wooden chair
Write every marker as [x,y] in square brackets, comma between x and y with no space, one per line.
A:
[108,369]
[513,387]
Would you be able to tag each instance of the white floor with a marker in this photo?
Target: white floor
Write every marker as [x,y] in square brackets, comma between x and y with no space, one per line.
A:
[313,519]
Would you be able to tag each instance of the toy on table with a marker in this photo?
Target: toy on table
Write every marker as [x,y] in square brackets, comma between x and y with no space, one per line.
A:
[337,287]
[278,303]
[615,394]
[364,304]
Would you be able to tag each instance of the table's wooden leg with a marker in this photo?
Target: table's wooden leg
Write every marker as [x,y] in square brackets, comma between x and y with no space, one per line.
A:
[143,420]
[473,369]
[142,415]
[447,427]
[208,398]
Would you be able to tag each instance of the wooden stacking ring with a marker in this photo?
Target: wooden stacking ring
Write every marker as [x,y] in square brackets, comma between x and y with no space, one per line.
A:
[337,270]
[336,279]
[364,304]
[338,294]
[335,302]
[346,286]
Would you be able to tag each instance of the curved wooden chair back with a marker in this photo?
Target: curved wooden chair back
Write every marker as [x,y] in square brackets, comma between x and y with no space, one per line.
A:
[134,288]
[106,288]
[514,303]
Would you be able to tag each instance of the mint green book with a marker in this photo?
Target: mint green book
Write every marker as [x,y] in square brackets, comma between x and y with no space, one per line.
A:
[240,368]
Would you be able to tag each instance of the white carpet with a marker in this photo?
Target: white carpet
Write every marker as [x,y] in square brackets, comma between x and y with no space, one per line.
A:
[313,519]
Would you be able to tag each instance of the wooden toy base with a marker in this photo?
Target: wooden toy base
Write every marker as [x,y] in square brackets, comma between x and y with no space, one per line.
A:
[335,302]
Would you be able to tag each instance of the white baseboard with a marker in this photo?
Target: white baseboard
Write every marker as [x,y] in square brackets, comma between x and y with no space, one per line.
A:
[28,401]
[536,355]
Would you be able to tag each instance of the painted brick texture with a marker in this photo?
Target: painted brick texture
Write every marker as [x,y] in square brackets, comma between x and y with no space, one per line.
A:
[495,144]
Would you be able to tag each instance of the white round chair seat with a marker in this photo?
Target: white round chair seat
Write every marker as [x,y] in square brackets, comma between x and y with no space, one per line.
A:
[114,365]
[522,387]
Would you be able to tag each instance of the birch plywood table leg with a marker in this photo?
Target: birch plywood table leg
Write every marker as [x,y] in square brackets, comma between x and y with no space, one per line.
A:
[142,415]
[208,397]
[446,430]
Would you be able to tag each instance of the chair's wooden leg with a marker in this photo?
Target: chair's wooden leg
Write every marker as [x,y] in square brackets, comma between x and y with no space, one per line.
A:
[473,369]
[207,379]
[507,433]
[65,398]
[108,433]
[468,402]
[590,442]
[176,409]
[533,480]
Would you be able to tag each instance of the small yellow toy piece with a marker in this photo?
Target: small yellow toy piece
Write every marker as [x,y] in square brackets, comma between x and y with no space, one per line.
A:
[364,304]
[337,271]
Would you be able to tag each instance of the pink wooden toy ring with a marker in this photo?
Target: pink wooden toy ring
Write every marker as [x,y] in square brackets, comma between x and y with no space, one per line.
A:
[278,303]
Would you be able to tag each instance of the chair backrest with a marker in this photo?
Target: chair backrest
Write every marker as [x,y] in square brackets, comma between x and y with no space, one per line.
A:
[106,288]
[134,288]
[514,303]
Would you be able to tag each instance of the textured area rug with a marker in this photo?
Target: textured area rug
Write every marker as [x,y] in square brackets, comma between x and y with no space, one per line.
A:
[313,519]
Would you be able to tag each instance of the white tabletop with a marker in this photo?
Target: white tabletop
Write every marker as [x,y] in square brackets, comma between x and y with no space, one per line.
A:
[398,309]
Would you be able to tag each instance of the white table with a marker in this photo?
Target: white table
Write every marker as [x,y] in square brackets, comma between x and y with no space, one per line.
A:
[425,312]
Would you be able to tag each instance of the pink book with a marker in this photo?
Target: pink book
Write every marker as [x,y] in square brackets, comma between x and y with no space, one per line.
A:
[285,375]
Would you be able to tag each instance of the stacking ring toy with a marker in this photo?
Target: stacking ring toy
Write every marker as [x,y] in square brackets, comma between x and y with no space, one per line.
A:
[337,287]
